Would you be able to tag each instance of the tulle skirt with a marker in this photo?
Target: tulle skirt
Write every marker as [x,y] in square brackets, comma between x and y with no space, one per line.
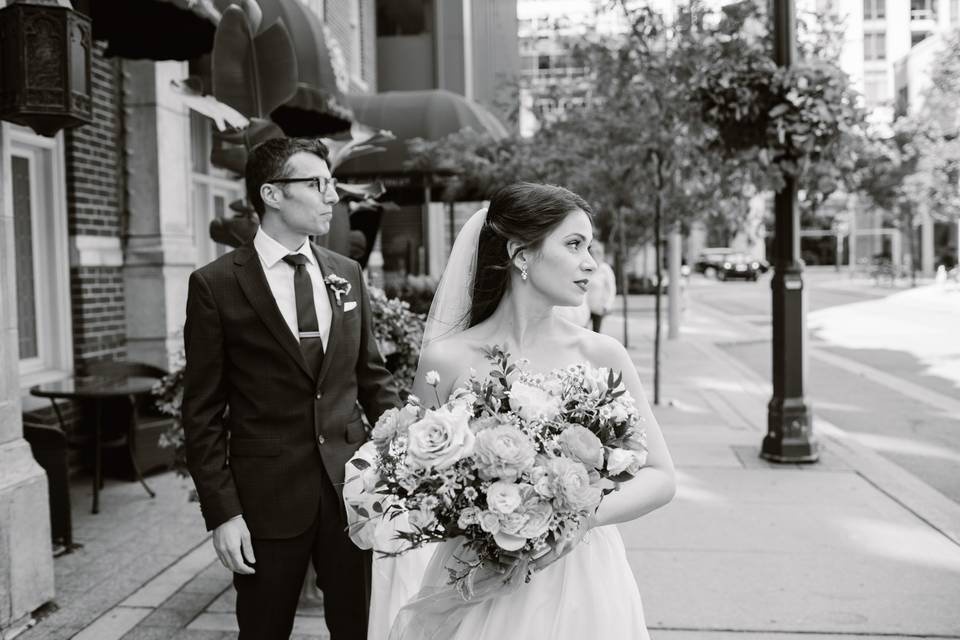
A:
[590,593]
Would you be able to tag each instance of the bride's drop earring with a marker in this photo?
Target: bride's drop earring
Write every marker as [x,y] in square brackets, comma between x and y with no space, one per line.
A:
[523,271]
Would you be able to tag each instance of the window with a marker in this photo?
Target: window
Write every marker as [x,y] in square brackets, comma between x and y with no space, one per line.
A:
[213,189]
[923,9]
[875,89]
[874,9]
[404,17]
[918,36]
[34,177]
[874,46]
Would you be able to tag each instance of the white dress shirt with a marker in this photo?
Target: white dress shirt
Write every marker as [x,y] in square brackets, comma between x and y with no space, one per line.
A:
[280,278]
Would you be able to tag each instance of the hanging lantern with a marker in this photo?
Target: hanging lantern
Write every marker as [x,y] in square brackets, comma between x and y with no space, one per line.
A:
[45,49]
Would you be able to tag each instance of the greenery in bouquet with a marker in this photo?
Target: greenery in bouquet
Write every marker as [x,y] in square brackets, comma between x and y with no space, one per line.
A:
[515,463]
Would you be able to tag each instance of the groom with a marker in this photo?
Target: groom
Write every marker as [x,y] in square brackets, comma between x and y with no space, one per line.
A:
[280,351]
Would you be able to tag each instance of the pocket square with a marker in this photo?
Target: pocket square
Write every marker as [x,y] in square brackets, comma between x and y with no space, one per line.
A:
[349,306]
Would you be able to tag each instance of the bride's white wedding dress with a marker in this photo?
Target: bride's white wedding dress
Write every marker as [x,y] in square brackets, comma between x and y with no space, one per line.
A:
[589,593]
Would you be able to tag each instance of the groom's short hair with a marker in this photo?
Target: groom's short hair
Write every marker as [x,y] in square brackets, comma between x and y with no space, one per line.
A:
[268,161]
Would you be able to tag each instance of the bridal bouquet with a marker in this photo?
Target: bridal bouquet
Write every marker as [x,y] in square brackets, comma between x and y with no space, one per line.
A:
[514,463]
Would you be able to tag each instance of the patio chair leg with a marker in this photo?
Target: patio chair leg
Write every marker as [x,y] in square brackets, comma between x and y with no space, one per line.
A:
[132,448]
[97,462]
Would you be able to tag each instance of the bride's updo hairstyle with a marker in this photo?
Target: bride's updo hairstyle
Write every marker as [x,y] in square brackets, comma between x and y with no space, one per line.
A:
[525,212]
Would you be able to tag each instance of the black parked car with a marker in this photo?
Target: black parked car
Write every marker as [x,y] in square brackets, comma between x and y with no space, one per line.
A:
[728,263]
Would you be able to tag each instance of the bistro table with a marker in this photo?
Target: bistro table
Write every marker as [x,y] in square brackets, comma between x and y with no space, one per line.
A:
[99,389]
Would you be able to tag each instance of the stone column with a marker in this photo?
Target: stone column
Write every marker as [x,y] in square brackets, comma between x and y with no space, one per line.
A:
[26,553]
[160,248]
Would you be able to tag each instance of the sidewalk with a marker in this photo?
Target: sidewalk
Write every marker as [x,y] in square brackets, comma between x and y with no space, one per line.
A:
[850,546]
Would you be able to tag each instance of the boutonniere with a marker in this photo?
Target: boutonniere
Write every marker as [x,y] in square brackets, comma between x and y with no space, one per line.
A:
[339,286]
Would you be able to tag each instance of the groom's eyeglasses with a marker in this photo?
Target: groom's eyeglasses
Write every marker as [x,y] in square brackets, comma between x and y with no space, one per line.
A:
[319,183]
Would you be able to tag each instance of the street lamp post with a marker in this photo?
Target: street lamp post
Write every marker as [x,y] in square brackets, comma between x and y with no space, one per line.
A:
[790,435]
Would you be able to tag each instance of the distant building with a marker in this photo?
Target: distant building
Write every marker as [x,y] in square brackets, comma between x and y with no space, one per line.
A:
[880,37]
[468,47]
[938,240]
[880,32]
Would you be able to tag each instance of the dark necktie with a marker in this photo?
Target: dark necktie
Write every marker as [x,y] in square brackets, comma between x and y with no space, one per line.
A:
[309,328]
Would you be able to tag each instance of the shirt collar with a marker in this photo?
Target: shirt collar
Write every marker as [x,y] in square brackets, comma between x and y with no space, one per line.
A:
[273,252]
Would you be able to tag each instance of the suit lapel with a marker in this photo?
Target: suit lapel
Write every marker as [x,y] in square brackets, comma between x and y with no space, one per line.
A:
[328,267]
[253,282]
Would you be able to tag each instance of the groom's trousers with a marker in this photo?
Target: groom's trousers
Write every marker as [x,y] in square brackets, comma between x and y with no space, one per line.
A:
[267,600]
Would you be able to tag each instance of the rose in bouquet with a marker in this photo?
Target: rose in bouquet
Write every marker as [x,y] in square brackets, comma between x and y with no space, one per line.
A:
[513,463]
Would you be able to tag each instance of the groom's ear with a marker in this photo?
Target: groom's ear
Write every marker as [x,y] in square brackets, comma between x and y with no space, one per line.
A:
[271,194]
[516,251]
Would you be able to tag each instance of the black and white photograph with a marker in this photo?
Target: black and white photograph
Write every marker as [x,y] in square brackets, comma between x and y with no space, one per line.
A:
[479,319]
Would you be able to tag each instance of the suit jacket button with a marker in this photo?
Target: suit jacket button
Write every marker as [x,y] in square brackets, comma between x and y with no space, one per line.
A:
[319,395]
[321,439]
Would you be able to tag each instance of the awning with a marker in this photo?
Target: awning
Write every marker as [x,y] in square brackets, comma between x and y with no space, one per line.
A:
[318,108]
[429,114]
[153,29]
[184,29]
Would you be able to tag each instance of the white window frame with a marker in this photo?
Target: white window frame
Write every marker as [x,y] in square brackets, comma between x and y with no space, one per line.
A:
[51,251]
[205,185]
[205,189]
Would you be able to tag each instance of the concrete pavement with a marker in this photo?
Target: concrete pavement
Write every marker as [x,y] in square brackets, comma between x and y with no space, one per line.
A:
[852,546]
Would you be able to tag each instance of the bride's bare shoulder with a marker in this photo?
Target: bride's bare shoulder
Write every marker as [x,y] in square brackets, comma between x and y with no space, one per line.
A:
[603,350]
[449,355]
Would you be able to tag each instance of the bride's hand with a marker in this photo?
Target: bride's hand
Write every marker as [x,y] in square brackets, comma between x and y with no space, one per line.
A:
[556,553]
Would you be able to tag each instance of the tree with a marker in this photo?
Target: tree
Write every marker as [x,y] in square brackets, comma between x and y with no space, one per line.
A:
[680,121]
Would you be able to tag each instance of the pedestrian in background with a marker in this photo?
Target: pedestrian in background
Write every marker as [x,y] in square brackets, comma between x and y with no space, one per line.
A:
[603,288]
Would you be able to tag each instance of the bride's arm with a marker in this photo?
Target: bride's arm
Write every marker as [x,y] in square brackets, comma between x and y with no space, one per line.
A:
[654,485]
[440,357]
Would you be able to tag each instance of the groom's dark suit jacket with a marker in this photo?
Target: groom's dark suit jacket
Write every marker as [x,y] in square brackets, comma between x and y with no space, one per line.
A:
[260,428]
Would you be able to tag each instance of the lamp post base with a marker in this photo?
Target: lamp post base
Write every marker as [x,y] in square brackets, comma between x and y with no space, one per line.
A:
[789,433]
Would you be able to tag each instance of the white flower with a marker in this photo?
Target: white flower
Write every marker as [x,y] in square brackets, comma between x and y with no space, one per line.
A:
[503,451]
[624,460]
[503,497]
[432,378]
[619,412]
[440,439]
[469,516]
[489,522]
[532,403]
[508,541]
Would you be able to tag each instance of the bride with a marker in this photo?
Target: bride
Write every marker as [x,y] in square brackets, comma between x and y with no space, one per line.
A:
[524,256]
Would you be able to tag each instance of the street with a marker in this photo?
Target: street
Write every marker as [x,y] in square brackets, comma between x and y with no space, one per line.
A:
[884,363]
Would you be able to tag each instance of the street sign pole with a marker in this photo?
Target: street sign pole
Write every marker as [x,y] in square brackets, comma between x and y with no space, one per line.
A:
[790,435]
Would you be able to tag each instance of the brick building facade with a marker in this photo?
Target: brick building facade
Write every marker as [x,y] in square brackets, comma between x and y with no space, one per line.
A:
[94,163]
